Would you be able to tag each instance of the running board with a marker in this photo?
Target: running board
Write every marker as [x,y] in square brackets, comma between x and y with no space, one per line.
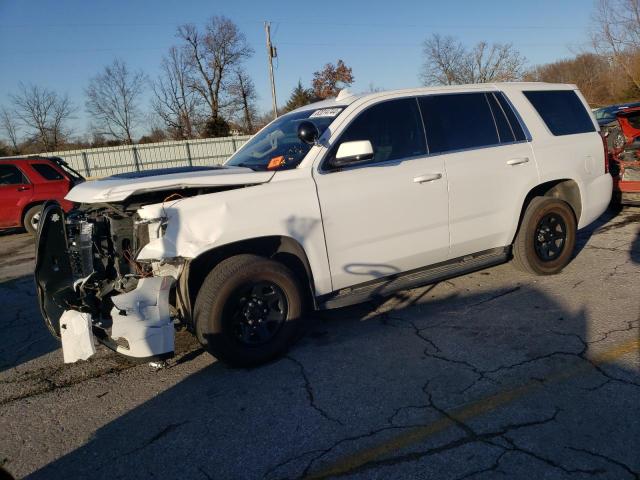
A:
[415,278]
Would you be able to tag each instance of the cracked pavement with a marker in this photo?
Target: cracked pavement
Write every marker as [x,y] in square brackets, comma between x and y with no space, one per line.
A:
[496,374]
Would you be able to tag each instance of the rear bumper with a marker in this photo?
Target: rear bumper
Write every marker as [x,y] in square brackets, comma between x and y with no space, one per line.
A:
[595,199]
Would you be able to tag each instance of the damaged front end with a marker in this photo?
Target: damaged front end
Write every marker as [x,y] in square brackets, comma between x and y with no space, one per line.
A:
[90,285]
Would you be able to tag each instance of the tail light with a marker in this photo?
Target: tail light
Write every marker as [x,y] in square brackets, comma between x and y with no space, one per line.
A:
[606,152]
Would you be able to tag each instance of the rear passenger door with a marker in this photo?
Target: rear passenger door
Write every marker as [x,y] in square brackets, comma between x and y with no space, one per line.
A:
[489,163]
[15,193]
[51,184]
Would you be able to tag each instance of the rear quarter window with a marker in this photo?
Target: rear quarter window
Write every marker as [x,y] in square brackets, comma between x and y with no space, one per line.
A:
[562,111]
[47,172]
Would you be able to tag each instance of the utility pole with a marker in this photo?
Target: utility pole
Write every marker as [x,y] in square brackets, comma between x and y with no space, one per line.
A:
[271,53]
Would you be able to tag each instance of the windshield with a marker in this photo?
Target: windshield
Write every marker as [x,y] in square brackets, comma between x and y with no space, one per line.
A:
[601,113]
[277,147]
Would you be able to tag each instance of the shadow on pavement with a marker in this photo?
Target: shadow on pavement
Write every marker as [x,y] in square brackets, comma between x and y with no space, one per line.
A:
[24,335]
[586,233]
[495,381]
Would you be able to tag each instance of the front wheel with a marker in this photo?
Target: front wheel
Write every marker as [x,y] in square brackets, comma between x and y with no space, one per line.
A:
[546,237]
[248,310]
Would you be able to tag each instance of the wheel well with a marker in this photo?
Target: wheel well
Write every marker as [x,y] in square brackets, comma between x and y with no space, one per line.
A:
[283,249]
[565,189]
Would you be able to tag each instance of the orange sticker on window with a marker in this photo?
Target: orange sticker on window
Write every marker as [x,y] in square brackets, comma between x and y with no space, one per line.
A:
[275,162]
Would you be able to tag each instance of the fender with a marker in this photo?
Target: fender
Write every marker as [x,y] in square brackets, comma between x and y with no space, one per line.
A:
[286,207]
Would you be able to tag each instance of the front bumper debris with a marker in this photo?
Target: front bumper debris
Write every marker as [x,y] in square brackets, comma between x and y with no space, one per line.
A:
[77,338]
[142,325]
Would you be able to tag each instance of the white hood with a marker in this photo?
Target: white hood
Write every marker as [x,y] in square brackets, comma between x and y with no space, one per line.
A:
[119,188]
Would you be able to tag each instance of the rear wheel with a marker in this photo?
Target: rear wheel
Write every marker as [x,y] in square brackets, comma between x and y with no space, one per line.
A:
[248,310]
[32,218]
[546,238]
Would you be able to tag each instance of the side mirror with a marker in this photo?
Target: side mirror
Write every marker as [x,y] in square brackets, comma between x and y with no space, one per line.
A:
[308,133]
[350,153]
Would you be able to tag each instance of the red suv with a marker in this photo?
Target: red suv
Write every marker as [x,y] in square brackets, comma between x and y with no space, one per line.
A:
[27,183]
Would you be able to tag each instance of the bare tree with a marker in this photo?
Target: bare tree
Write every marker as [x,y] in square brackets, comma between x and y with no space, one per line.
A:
[213,55]
[616,33]
[10,127]
[112,100]
[243,96]
[592,73]
[44,113]
[174,101]
[444,60]
[448,62]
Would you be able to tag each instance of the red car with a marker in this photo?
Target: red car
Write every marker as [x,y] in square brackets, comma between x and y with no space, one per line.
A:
[623,141]
[27,183]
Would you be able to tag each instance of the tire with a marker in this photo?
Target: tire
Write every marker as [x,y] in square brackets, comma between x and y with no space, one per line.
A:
[548,226]
[229,317]
[31,218]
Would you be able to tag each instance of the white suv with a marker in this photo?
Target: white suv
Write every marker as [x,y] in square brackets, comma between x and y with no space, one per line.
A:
[329,205]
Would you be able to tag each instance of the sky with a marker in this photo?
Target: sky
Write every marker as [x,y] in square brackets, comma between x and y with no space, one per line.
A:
[61,44]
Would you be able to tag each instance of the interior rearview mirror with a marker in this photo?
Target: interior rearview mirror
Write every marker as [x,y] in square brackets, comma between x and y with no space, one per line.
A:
[308,132]
[350,153]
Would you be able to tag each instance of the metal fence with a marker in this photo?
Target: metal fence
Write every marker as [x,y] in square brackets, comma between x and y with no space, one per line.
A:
[101,162]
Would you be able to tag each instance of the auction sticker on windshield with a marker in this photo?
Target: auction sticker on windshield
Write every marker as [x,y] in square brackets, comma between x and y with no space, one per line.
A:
[326,112]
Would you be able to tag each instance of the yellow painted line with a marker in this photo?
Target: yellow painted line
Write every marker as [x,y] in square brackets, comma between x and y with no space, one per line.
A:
[471,410]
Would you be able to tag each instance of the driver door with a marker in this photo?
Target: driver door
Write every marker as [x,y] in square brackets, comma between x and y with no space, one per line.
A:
[389,215]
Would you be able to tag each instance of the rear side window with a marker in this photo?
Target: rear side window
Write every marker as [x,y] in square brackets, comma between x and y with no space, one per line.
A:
[458,121]
[10,175]
[394,129]
[47,171]
[562,111]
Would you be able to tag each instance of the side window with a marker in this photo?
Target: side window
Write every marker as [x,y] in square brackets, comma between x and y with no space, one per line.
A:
[47,171]
[394,129]
[458,121]
[511,116]
[562,111]
[10,175]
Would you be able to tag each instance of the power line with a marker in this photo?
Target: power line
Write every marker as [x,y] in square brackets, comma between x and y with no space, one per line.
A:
[430,26]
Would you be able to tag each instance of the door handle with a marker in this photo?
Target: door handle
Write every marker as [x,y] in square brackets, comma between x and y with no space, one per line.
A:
[430,177]
[518,161]
[23,188]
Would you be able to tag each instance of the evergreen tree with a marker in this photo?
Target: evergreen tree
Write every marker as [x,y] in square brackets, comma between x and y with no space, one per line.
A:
[299,98]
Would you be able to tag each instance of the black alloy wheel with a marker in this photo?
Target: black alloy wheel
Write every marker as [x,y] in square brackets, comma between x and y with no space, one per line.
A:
[550,237]
[257,312]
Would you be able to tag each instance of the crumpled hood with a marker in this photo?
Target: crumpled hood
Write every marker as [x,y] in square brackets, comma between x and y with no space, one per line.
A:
[119,187]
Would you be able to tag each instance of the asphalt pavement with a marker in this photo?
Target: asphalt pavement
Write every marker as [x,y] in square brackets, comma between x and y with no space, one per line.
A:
[496,374]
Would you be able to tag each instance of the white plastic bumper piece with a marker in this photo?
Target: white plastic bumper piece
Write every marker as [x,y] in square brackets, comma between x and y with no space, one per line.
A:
[141,318]
[77,338]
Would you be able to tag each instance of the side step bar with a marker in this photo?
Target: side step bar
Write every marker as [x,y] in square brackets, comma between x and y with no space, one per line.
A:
[385,286]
